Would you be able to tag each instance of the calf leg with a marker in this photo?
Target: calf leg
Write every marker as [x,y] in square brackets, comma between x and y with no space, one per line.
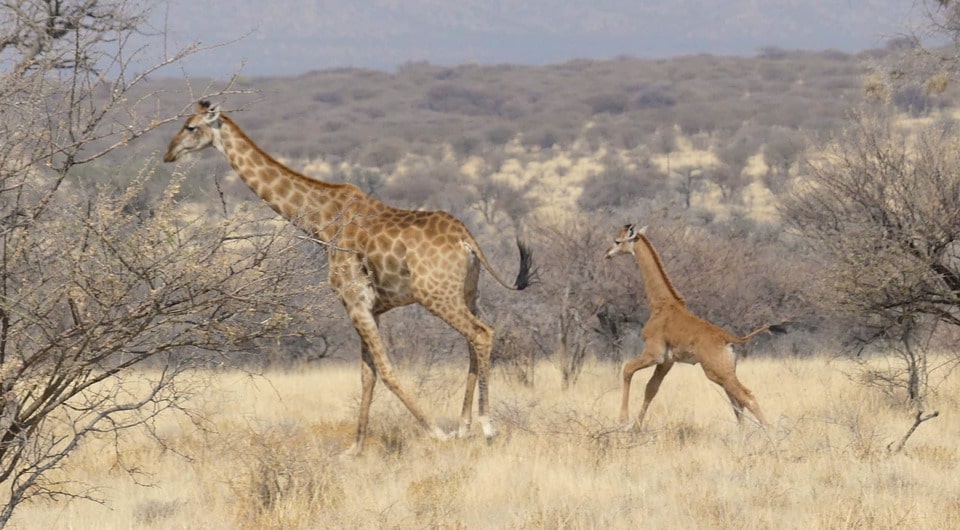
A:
[653,385]
[651,354]
[737,407]
[738,393]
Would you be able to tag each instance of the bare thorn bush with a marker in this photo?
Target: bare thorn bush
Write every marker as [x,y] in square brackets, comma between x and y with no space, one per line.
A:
[878,212]
[97,282]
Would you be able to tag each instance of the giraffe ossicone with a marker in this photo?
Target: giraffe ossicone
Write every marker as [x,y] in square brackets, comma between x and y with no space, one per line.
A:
[380,258]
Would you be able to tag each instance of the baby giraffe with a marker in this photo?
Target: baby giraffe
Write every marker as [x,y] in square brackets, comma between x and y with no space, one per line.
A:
[674,334]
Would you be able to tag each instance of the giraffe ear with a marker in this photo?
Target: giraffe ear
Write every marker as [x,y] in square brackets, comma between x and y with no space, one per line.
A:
[211,115]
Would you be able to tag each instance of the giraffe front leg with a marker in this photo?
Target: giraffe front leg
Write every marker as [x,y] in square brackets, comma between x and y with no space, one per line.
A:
[385,372]
[358,297]
[653,385]
[368,379]
[649,357]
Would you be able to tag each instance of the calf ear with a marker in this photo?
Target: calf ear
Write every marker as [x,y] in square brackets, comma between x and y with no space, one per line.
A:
[633,233]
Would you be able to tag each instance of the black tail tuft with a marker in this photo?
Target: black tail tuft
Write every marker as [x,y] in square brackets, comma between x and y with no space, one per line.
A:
[779,329]
[527,275]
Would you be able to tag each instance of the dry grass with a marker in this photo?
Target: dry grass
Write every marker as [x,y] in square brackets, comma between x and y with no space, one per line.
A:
[270,460]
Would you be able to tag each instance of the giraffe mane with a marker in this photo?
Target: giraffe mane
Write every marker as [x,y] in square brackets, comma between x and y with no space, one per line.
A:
[238,131]
[243,135]
[663,273]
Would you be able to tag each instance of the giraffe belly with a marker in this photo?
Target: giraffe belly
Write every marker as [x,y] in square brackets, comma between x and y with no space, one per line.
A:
[388,297]
[393,292]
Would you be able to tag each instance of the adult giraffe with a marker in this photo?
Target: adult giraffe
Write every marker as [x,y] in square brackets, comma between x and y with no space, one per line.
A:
[674,334]
[380,258]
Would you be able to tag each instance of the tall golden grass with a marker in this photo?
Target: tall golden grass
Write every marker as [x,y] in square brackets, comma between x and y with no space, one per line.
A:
[268,457]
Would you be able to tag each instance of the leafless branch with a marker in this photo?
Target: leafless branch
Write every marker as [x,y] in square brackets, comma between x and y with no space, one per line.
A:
[918,419]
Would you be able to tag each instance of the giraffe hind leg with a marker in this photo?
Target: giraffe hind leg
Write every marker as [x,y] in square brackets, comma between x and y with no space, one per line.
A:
[466,412]
[480,341]
[481,346]
[736,405]
[724,374]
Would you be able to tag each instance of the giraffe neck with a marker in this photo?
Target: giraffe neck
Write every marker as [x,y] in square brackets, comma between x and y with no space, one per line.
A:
[313,205]
[659,288]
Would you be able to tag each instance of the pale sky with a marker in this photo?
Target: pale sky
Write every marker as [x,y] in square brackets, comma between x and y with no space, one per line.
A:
[289,37]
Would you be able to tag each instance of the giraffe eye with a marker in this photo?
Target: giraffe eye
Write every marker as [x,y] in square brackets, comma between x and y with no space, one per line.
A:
[189,128]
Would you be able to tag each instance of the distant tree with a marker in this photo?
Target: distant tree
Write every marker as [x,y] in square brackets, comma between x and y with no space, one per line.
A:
[467,145]
[727,179]
[783,148]
[736,151]
[433,186]
[382,154]
[690,181]
[495,197]
[616,186]
[664,140]
[772,52]
[500,134]
[457,99]
[611,103]
[543,137]
[654,98]
[913,100]
[329,97]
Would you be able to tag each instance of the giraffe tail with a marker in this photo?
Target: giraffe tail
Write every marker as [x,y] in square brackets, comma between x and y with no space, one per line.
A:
[778,329]
[526,276]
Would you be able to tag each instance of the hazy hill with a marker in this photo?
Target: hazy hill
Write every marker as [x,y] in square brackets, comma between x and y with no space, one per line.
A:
[689,131]
[340,112]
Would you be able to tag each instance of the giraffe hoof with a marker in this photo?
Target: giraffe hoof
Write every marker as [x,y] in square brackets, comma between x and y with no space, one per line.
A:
[489,431]
[439,435]
[462,432]
[351,453]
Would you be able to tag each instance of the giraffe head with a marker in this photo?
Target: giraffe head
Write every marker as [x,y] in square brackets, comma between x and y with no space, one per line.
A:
[623,243]
[197,133]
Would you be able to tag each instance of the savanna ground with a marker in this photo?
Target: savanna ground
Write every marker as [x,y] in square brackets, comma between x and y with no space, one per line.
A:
[266,456]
